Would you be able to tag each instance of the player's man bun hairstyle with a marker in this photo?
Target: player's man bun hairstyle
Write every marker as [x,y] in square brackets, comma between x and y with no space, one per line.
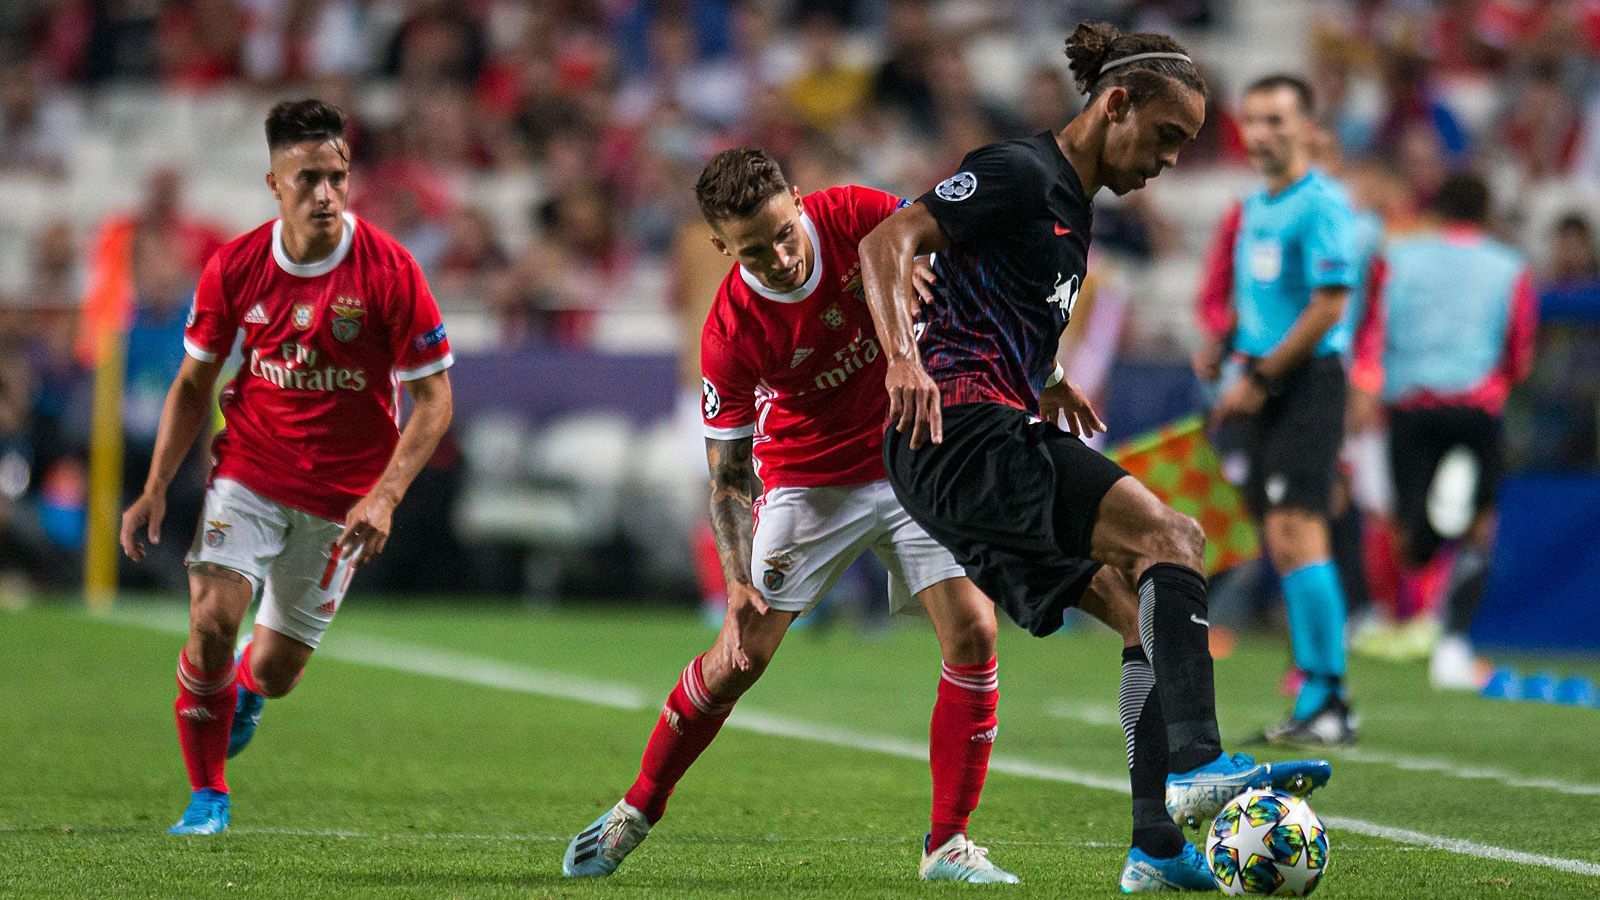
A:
[737,183]
[295,121]
[1093,51]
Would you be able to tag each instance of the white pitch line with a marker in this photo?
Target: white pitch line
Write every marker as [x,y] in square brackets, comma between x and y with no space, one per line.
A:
[1447,767]
[1102,715]
[399,656]
[516,838]
[1463,847]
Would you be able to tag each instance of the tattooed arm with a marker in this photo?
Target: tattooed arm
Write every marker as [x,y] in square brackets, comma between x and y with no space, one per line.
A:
[733,492]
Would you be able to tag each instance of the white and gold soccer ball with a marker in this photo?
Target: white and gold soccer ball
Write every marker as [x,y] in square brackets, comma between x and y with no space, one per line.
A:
[1266,842]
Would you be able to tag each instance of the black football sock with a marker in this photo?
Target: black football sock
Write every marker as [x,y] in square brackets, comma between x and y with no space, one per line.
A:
[1154,832]
[1469,576]
[1175,633]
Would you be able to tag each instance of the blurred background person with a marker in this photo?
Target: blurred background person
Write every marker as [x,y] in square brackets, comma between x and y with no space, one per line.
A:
[1452,324]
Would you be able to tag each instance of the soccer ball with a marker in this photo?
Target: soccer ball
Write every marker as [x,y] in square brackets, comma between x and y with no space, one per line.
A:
[1265,842]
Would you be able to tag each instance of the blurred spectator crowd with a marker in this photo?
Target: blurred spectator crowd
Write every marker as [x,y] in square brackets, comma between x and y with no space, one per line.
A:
[538,156]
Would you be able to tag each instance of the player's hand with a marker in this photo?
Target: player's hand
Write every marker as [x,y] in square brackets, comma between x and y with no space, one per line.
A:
[922,281]
[1242,398]
[366,528]
[1207,361]
[1066,402]
[145,514]
[744,604]
[914,402]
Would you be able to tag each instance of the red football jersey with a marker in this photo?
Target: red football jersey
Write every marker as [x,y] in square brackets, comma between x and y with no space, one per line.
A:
[801,371]
[313,413]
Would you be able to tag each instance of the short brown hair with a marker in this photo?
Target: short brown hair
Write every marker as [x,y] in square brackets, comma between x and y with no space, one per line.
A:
[1303,96]
[737,182]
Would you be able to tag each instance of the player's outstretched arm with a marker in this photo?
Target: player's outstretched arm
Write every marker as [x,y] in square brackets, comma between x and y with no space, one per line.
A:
[888,263]
[366,526]
[733,490]
[188,403]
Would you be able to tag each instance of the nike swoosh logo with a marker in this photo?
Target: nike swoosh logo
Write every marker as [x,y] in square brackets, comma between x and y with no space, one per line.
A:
[1062,229]
[1198,621]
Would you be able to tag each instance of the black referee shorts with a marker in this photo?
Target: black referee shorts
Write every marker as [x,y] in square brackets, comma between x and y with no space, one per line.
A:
[1014,499]
[1293,443]
[1418,442]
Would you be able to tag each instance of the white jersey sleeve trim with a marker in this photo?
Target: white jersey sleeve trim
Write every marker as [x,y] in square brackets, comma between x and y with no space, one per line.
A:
[730,434]
[198,352]
[438,365]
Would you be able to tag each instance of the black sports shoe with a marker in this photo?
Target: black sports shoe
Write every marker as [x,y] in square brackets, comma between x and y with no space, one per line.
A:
[1330,726]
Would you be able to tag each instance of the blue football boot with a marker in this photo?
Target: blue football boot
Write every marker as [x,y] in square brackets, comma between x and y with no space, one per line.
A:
[1145,874]
[1194,797]
[600,848]
[208,813]
[246,716]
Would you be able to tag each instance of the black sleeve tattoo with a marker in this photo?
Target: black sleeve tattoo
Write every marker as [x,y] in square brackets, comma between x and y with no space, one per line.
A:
[733,491]
[212,570]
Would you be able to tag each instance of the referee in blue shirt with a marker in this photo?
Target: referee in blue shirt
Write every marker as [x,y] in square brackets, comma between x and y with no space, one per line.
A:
[1295,264]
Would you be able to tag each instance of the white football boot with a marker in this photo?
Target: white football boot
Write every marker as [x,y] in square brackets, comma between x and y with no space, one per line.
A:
[959,859]
[600,848]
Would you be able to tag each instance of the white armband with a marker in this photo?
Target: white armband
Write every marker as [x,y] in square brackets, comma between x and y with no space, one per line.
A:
[1056,377]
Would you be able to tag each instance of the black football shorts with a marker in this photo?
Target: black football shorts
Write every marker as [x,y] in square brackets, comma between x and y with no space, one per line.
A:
[1014,499]
[1293,443]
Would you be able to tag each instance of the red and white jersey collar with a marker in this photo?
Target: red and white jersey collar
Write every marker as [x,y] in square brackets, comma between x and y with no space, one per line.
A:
[320,267]
[798,294]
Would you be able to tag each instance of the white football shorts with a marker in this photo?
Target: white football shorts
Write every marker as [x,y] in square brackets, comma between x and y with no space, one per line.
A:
[805,538]
[291,558]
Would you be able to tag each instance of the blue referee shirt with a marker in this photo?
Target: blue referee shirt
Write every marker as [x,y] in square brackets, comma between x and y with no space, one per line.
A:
[1290,244]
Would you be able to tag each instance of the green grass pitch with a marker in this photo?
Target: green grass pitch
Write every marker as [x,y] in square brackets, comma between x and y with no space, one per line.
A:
[451,749]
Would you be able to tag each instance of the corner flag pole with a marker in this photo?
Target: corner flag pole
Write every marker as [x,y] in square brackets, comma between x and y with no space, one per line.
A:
[107,310]
[105,475]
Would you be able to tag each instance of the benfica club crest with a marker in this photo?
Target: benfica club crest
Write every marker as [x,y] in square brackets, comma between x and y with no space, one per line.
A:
[303,315]
[833,317]
[852,282]
[216,533]
[778,564]
[347,313]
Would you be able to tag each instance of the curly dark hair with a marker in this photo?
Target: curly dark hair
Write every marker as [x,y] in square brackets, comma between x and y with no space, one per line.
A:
[295,121]
[1091,47]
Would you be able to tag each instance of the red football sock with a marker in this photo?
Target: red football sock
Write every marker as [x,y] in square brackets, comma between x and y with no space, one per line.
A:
[690,719]
[959,740]
[1382,566]
[247,677]
[204,712]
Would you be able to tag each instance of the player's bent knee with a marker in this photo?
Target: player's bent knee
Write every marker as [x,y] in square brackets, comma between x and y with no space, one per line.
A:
[1175,538]
[275,683]
[973,643]
[1187,538]
[213,627]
